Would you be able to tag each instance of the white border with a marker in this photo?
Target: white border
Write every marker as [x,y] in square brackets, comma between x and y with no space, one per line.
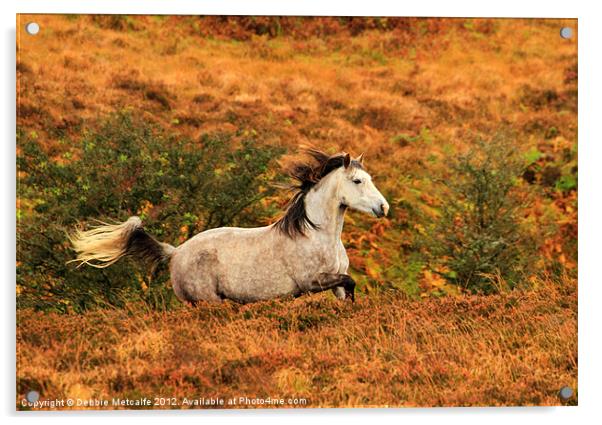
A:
[511,8]
[590,213]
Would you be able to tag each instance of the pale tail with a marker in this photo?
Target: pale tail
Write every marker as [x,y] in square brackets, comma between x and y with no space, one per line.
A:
[104,245]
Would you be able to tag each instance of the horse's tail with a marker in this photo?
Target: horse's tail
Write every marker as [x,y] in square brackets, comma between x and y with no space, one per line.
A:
[104,245]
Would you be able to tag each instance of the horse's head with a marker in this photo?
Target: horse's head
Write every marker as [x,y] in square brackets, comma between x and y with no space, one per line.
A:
[357,191]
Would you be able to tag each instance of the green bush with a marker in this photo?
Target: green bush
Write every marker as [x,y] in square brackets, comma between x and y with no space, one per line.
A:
[127,167]
[479,240]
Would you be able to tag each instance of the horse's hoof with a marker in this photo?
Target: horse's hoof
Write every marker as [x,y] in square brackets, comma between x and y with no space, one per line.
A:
[351,296]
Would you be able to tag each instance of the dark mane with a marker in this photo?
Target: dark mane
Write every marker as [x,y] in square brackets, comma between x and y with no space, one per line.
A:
[295,221]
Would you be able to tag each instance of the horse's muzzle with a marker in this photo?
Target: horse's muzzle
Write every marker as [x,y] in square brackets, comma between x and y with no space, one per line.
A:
[381,211]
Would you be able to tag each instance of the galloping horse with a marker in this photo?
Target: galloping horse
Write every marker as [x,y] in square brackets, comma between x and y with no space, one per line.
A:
[300,253]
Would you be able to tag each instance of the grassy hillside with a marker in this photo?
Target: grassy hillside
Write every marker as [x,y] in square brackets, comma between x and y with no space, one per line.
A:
[511,349]
[414,95]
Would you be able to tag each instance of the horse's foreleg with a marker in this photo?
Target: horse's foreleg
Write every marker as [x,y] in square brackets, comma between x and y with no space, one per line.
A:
[339,292]
[327,281]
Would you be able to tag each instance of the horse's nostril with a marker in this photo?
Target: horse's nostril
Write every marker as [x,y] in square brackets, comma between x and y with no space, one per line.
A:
[378,211]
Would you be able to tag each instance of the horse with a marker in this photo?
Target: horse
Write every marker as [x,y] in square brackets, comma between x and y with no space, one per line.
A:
[300,253]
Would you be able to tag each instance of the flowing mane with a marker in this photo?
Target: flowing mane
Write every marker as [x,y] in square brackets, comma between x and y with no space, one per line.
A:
[308,173]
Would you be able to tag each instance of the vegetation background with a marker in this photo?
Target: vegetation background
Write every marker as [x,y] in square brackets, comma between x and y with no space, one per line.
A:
[467,292]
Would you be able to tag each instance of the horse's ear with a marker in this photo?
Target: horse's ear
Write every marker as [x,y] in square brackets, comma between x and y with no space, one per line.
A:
[346,160]
[360,158]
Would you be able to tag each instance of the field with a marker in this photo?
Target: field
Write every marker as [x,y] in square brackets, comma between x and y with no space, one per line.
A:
[512,349]
[413,95]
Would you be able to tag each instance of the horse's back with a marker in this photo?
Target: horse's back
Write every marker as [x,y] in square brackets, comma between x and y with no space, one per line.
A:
[222,238]
[224,244]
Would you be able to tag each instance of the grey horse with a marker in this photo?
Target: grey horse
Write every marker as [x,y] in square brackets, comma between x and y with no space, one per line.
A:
[300,253]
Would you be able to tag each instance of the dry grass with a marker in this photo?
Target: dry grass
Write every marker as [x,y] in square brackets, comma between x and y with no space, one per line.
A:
[511,349]
[369,91]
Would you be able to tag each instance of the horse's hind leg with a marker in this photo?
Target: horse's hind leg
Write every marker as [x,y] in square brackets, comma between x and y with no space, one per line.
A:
[193,279]
[327,281]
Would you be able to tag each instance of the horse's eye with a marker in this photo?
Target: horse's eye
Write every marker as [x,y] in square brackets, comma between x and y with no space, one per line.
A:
[357,181]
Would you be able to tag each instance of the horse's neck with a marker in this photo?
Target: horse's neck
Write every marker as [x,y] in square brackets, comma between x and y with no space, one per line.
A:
[323,208]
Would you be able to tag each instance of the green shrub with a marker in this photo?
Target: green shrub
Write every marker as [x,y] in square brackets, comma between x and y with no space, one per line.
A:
[127,167]
[479,241]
